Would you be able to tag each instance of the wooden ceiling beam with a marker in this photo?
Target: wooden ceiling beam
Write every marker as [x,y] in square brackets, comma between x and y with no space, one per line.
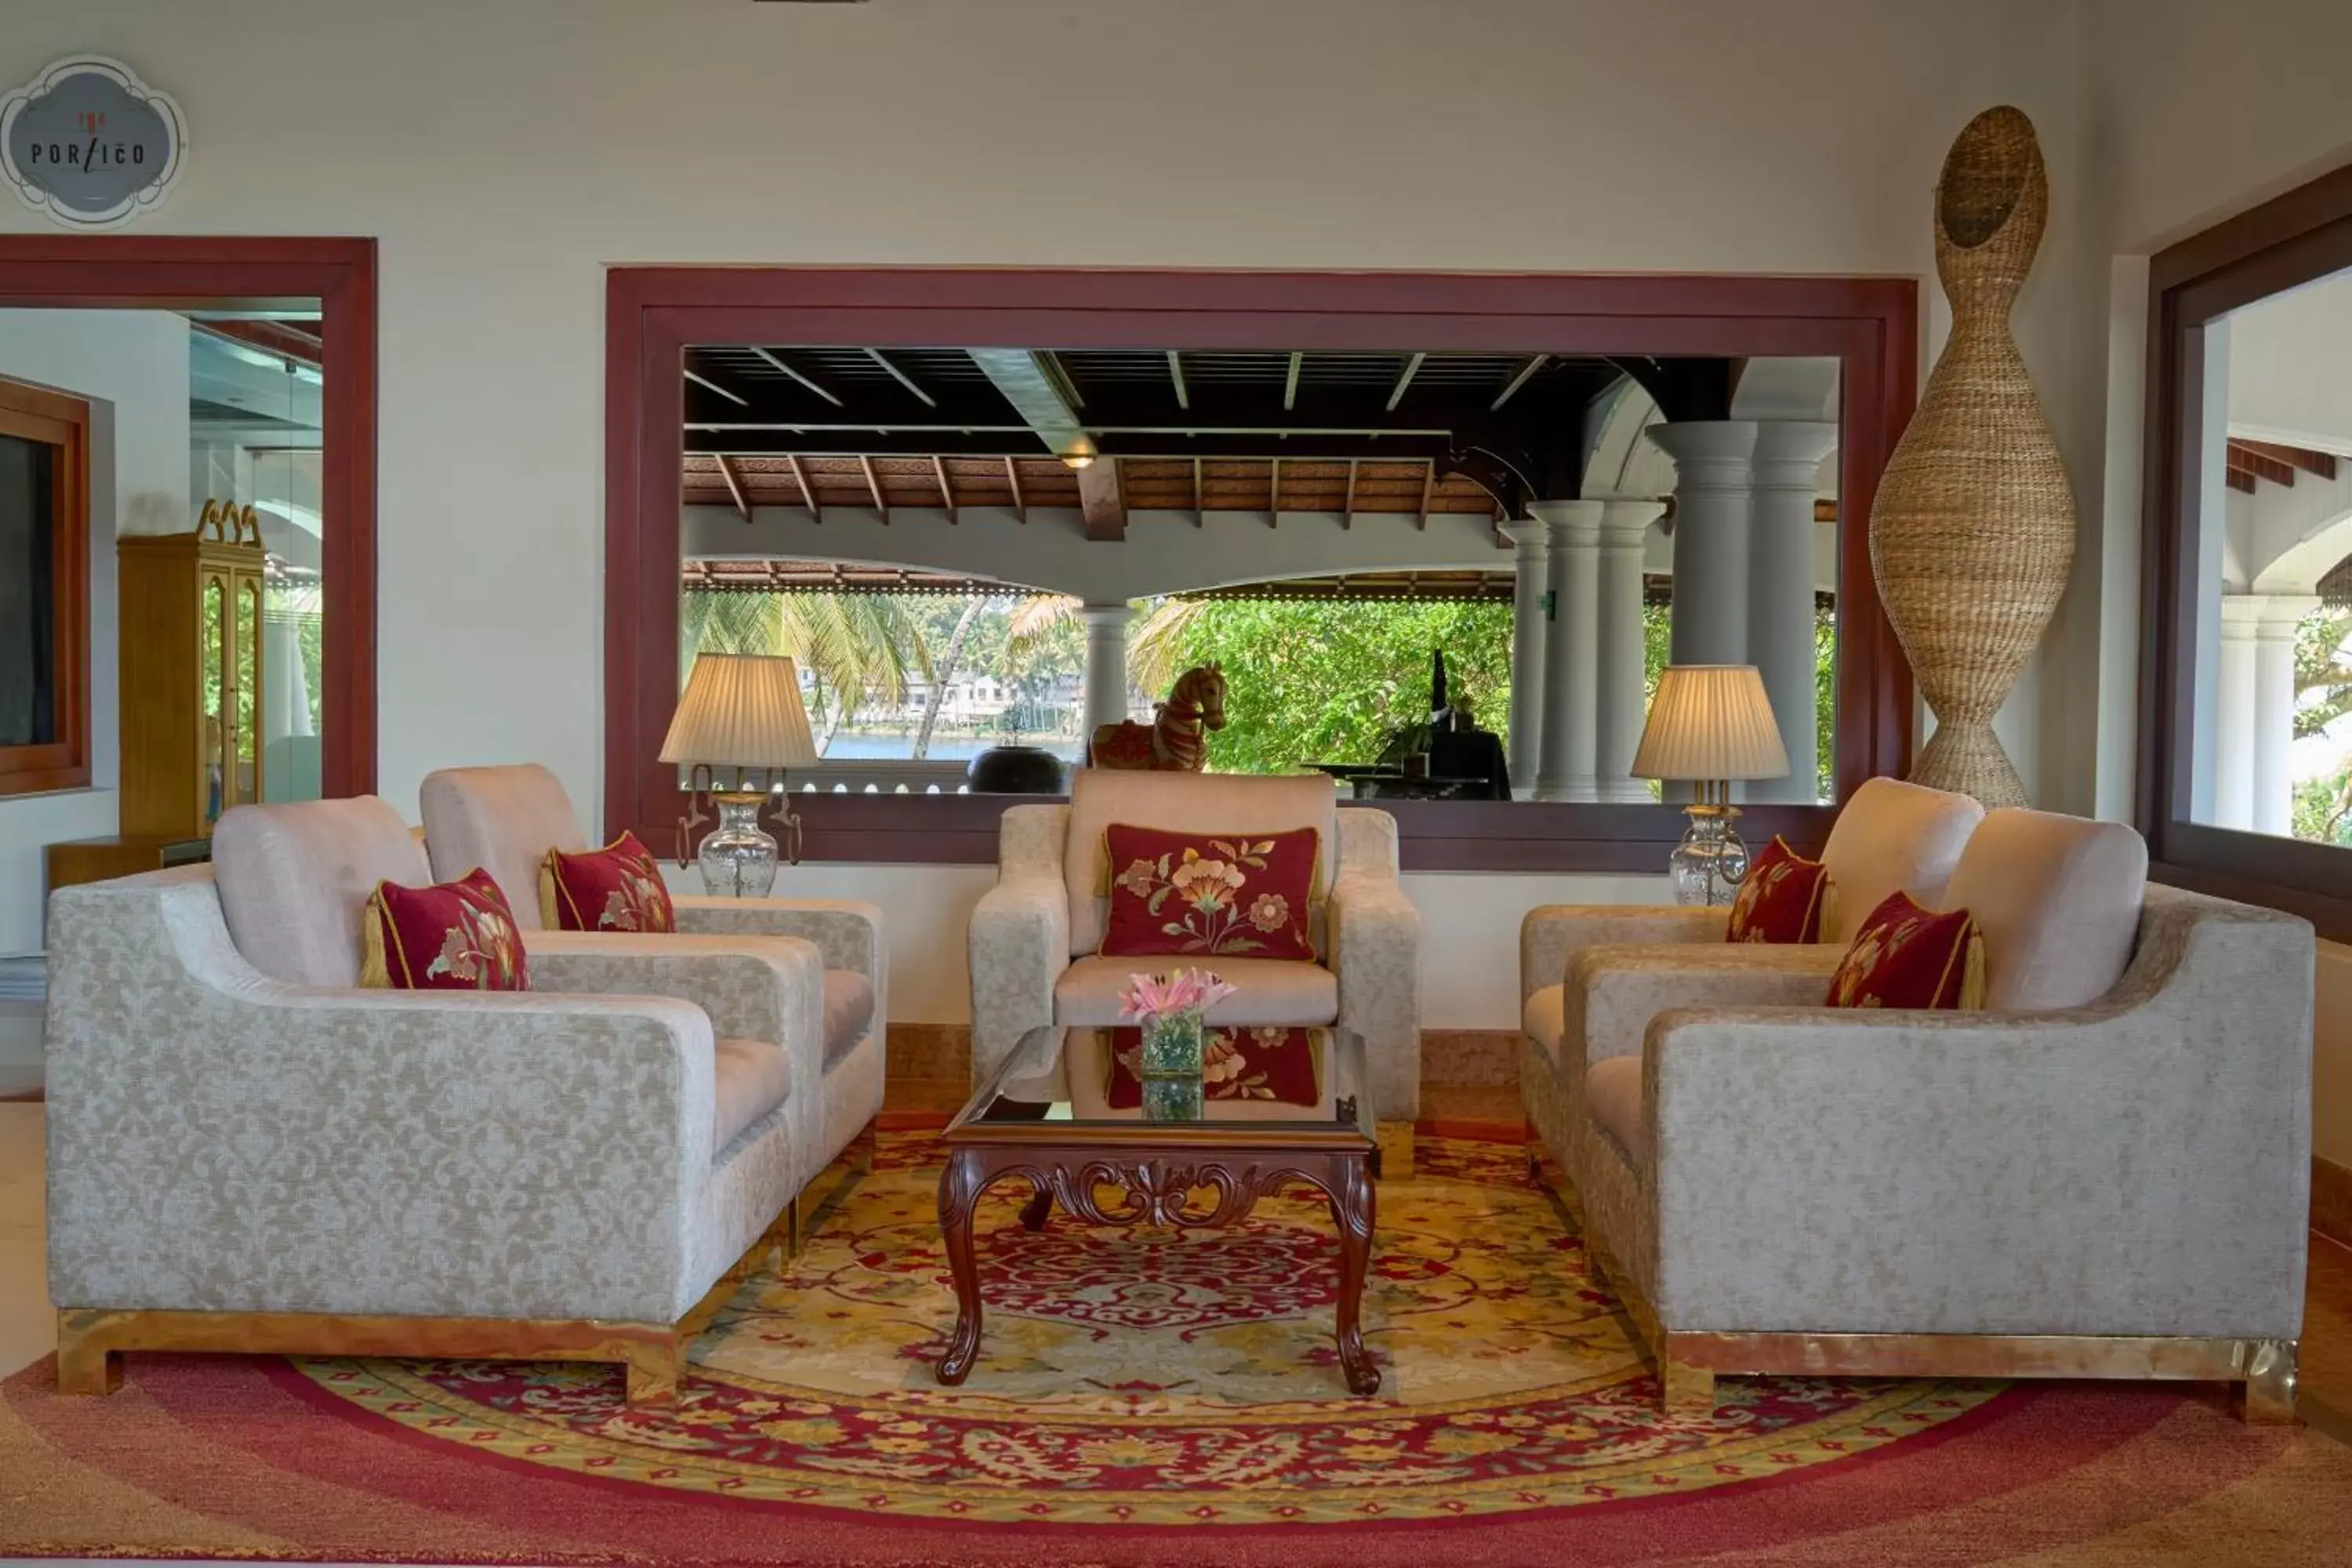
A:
[2321,465]
[1012,477]
[1290,380]
[2262,465]
[947,491]
[1200,495]
[1100,501]
[1428,487]
[1176,377]
[703,381]
[1404,380]
[901,377]
[1520,378]
[808,490]
[1347,505]
[1273,497]
[874,484]
[776,362]
[735,487]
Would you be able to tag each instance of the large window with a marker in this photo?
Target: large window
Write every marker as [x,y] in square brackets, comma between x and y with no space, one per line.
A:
[2247,732]
[44,590]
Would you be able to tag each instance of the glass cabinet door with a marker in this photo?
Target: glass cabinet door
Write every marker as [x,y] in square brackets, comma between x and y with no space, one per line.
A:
[213,632]
[246,730]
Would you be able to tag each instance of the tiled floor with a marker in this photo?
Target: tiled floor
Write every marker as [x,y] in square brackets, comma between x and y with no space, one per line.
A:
[28,1333]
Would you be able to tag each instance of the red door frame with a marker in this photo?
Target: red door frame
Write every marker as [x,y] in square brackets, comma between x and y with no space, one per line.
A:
[176,271]
[1870,324]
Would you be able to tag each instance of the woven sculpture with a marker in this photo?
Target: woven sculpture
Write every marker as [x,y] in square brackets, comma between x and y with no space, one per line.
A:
[1973,529]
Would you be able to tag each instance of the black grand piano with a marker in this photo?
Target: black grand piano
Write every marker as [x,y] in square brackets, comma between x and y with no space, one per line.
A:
[1443,757]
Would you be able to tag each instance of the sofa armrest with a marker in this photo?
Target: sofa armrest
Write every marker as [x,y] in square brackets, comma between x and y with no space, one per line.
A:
[1019,944]
[846,932]
[1613,993]
[1375,933]
[758,988]
[1551,934]
[2141,1169]
[219,1140]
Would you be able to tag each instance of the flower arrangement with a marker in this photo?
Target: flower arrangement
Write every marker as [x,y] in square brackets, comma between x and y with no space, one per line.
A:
[1149,996]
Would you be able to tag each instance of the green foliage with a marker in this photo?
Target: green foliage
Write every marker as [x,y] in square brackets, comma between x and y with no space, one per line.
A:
[2323,808]
[1311,682]
[2323,678]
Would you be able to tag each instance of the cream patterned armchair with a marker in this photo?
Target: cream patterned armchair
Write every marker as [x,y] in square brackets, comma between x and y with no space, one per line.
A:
[1034,936]
[506,819]
[1889,836]
[247,1151]
[2104,1173]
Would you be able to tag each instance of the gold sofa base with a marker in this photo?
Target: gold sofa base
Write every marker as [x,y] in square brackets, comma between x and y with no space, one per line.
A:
[91,1340]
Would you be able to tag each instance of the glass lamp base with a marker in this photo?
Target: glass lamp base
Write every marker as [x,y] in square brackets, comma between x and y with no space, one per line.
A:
[739,856]
[1707,866]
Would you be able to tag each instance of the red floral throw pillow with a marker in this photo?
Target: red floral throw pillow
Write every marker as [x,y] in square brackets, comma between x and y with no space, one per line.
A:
[451,936]
[1905,956]
[1269,1064]
[618,888]
[1225,894]
[1783,898]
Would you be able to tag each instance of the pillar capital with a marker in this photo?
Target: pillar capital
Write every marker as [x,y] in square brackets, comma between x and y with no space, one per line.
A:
[1569,522]
[1114,614]
[1707,453]
[1626,523]
[1789,452]
[1530,533]
[2266,617]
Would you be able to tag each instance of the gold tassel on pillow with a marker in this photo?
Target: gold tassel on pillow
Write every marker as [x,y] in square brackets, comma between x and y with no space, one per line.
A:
[547,893]
[375,974]
[1972,970]
[1829,920]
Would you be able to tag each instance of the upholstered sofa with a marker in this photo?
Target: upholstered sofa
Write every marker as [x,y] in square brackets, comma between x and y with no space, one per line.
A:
[247,1151]
[1034,936]
[1889,836]
[2104,1173]
[506,819]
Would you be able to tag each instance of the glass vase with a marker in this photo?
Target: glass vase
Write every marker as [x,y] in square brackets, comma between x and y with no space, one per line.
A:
[1709,864]
[1171,1067]
[739,856]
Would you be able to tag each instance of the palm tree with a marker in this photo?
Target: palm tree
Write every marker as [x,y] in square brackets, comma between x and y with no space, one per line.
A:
[944,672]
[1155,644]
[859,646]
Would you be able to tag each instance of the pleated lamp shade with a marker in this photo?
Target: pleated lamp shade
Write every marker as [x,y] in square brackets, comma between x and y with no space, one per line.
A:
[1711,722]
[740,711]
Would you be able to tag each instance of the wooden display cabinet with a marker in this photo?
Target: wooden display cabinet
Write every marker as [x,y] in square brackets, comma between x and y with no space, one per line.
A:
[190,676]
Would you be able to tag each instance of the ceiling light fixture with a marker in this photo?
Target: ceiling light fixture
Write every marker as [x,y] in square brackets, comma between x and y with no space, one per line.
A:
[1078,454]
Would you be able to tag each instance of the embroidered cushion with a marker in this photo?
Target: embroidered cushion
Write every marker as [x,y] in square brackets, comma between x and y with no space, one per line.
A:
[1263,1064]
[1785,898]
[451,936]
[1905,956]
[1239,895]
[618,888]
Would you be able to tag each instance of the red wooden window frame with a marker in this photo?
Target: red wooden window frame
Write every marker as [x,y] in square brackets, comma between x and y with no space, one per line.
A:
[1869,324]
[61,423]
[179,272]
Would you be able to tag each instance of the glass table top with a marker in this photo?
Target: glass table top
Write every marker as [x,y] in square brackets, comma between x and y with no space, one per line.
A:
[1063,1080]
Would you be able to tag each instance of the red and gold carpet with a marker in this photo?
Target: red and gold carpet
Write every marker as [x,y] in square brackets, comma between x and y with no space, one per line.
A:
[1144,1398]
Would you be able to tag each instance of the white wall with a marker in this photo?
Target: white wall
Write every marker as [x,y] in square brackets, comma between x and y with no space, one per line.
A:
[133,365]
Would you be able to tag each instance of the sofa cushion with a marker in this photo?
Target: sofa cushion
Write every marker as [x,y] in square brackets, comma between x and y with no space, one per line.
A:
[1612,1098]
[451,936]
[2059,900]
[1267,990]
[1542,1017]
[1905,956]
[618,888]
[1209,894]
[848,1009]
[294,880]
[1182,802]
[748,1079]
[504,819]
[1893,836]
[1782,899]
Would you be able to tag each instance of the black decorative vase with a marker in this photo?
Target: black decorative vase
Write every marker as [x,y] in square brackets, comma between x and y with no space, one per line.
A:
[1016,770]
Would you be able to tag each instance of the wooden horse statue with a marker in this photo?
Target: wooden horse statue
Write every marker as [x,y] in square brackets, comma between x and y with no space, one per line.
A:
[1177,741]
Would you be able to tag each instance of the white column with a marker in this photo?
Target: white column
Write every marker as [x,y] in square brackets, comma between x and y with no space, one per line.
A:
[2274,710]
[1619,710]
[2233,713]
[1106,663]
[1787,474]
[1564,766]
[1530,593]
[1712,516]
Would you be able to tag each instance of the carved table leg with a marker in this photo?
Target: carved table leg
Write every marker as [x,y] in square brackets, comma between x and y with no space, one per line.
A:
[1038,1209]
[1353,1202]
[960,1188]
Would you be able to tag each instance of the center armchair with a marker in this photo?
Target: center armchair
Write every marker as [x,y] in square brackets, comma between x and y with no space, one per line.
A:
[248,1152]
[1034,936]
[506,819]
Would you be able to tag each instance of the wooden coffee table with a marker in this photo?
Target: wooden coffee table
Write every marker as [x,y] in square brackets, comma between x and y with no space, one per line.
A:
[1042,1118]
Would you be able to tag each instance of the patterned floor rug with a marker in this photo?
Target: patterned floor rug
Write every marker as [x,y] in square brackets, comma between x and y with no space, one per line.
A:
[1146,1397]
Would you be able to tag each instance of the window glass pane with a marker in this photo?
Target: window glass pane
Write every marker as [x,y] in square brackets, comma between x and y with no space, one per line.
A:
[27,627]
[971,547]
[2272,738]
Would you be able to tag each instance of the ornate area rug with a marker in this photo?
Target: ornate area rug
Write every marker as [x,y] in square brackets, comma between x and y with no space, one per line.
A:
[1152,1397]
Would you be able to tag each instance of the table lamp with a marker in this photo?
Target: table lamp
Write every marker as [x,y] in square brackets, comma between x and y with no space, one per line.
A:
[1710,723]
[742,712]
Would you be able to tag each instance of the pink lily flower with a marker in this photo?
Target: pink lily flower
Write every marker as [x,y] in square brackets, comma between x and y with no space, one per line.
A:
[1161,995]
